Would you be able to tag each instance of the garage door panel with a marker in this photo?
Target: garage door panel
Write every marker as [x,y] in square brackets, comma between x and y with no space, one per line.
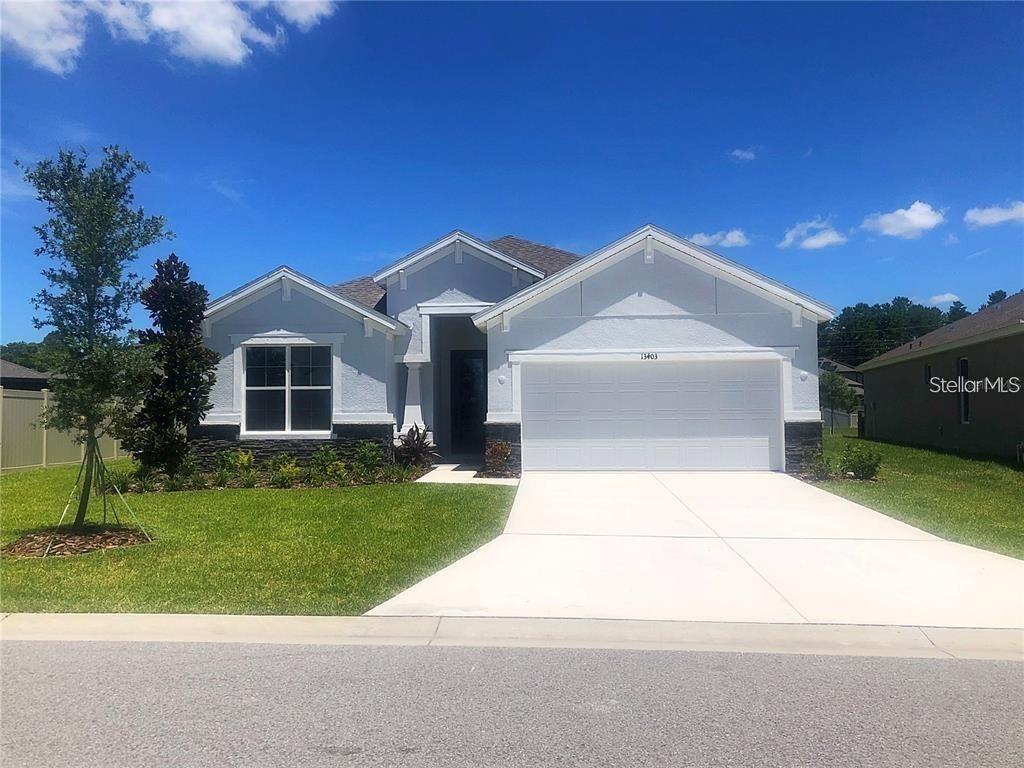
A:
[693,415]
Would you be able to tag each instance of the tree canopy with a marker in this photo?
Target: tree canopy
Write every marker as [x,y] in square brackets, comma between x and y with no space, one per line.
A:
[91,236]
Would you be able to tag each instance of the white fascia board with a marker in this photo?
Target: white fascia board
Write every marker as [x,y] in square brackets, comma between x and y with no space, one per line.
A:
[453,308]
[651,356]
[448,241]
[981,338]
[272,280]
[700,257]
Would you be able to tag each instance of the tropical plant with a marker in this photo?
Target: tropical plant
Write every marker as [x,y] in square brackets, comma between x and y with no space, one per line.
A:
[93,234]
[415,449]
[498,458]
[118,480]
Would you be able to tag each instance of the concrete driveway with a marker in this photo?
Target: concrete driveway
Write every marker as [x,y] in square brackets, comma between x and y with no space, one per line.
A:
[737,547]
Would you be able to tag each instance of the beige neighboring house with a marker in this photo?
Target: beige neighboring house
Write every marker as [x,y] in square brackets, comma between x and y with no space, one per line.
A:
[979,364]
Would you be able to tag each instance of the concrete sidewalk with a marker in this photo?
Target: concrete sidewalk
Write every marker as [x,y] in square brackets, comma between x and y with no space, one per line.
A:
[814,639]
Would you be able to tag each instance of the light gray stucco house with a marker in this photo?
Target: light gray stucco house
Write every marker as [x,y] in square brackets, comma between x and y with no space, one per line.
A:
[651,352]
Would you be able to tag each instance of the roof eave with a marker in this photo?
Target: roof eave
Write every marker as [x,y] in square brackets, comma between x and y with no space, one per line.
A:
[821,312]
[407,261]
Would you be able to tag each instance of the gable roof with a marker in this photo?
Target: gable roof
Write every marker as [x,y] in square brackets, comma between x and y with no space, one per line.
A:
[699,256]
[546,259]
[229,301]
[454,238]
[1002,319]
[364,290]
[9,370]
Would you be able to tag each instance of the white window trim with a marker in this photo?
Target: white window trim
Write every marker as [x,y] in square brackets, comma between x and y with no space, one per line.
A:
[286,339]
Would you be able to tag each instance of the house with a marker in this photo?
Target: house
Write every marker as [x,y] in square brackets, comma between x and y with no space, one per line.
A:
[650,353]
[853,377]
[959,388]
[14,376]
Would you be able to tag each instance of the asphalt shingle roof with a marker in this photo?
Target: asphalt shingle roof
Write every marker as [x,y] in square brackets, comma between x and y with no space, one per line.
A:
[1010,311]
[10,370]
[542,257]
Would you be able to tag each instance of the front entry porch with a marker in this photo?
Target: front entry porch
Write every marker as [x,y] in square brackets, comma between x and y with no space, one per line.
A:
[448,391]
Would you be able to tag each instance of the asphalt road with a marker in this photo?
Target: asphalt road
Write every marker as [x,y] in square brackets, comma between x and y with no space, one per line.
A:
[145,704]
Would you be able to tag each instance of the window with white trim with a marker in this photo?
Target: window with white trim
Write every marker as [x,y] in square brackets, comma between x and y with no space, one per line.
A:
[287,388]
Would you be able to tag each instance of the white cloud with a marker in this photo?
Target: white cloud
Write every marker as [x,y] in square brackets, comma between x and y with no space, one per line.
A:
[744,155]
[951,239]
[908,223]
[226,189]
[812,235]
[304,14]
[51,34]
[823,239]
[734,238]
[943,298]
[990,217]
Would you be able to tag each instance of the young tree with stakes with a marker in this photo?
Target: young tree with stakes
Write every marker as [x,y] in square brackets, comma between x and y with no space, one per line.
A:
[837,394]
[178,395]
[93,235]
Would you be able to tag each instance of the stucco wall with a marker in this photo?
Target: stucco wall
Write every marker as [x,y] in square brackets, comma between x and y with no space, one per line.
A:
[365,362]
[631,305]
[899,407]
[442,280]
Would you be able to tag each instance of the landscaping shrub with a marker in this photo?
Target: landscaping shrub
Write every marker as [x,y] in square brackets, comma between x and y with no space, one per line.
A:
[145,480]
[238,465]
[859,461]
[118,478]
[415,449]
[221,477]
[284,472]
[497,459]
[175,483]
[339,474]
[367,462]
[819,467]
[320,463]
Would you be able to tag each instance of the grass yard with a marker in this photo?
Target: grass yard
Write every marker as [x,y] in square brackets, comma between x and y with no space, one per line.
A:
[258,551]
[972,501]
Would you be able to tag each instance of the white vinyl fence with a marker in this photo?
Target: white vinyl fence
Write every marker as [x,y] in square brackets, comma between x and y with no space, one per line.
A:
[23,441]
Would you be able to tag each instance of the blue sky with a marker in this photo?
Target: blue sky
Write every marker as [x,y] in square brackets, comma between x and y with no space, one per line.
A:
[336,138]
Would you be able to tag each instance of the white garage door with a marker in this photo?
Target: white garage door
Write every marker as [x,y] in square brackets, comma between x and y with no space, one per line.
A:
[652,415]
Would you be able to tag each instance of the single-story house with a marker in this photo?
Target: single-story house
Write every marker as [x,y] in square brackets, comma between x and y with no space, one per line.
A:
[650,353]
[14,376]
[853,377]
[959,388]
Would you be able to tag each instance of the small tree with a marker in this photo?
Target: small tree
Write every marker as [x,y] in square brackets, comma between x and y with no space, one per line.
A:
[836,393]
[178,395]
[93,234]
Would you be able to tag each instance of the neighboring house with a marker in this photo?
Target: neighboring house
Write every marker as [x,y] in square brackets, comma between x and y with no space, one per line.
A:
[14,376]
[651,353]
[898,403]
[853,377]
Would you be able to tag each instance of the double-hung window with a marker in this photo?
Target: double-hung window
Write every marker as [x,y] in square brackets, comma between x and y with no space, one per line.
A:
[288,388]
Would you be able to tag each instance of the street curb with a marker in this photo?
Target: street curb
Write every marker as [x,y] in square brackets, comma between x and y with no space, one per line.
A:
[817,639]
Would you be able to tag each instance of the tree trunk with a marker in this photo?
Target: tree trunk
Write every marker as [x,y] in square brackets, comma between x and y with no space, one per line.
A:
[83,497]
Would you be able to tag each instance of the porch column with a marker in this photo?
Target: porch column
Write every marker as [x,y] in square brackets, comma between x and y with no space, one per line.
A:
[413,398]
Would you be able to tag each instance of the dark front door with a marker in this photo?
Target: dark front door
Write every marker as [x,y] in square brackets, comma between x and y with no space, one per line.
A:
[469,400]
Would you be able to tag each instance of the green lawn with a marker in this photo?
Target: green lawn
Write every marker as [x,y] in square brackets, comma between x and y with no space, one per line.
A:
[259,551]
[973,501]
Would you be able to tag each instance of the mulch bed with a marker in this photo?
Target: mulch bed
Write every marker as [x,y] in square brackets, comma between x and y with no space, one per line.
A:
[66,543]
